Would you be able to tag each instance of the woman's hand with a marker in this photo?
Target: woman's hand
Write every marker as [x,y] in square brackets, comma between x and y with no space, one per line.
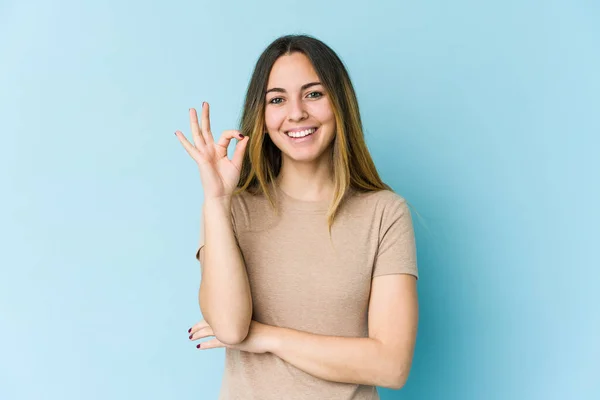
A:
[219,175]
[261,338]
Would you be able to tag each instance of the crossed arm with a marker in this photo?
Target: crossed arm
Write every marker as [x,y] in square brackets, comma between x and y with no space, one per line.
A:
[382,359]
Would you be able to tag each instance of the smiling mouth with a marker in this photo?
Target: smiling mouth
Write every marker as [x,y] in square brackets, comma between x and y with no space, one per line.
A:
[301,134]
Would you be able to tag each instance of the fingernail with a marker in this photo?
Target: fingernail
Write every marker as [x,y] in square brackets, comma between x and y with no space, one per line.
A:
[241,136]
[189,330]
[191,336]
[203,103]
[198,346]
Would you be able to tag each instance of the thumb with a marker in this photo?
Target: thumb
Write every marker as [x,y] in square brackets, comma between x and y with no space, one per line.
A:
[238,154]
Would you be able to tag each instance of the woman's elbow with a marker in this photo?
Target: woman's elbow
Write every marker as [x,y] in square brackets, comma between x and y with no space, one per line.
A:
[396,379]
[233,335]
[397,382]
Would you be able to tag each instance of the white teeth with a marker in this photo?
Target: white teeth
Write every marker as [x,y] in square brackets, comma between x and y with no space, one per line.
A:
[301,133]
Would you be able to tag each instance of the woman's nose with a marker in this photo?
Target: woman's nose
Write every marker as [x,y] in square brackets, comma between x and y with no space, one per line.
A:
[297,111]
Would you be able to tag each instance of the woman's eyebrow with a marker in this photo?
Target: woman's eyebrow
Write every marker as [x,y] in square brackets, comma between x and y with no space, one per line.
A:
[305,86]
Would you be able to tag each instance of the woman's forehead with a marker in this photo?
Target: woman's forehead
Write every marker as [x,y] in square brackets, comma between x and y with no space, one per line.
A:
[292,71]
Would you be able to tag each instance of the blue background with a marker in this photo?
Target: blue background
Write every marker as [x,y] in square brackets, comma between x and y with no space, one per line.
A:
[484,115]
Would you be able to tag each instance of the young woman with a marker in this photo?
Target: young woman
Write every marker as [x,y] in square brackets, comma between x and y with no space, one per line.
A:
[308,260]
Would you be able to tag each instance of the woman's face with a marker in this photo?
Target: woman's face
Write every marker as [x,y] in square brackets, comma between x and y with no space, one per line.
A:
[298,114]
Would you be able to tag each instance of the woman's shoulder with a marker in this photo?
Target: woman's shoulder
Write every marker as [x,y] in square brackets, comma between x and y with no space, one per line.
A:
[251,211]
[383,198]
[247,198]
[245,202]
[382,205]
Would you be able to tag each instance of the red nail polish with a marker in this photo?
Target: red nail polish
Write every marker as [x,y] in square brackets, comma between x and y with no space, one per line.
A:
[198,346]
[191,336]
[190,330]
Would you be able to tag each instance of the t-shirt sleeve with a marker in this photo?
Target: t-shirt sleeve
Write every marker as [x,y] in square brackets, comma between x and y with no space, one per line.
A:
[396,253]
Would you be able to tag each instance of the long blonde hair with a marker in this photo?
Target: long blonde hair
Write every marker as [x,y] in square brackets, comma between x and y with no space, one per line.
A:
[352,164]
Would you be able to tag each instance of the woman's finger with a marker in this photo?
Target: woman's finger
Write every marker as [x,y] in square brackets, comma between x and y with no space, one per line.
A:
[196,134]
[202,333]
[197,326]
[210,344]
[191,150]
[225,139]
[206,132]
[238,154]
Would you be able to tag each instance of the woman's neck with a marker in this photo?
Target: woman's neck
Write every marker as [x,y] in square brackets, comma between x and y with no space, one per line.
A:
[306,181]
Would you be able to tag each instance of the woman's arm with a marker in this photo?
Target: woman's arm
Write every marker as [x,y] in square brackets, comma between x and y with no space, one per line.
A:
[337,359]
[224,295]
[382,359]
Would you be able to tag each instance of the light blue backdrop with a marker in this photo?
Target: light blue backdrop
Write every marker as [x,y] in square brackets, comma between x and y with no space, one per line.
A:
[484,115]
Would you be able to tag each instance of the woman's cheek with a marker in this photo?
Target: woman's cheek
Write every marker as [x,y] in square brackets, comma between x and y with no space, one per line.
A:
[322,112]
[274,120]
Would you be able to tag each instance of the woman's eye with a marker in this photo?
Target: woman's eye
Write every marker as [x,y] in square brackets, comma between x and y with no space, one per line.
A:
[312,95]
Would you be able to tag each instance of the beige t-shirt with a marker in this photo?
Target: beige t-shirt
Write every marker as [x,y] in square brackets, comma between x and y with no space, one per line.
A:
[301,280]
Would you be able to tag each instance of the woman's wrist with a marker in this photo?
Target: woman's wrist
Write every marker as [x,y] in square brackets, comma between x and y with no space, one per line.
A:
[223,202]
[273,338]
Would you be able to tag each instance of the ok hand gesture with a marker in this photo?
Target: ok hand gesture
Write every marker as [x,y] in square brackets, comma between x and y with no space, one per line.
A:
[219,174]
